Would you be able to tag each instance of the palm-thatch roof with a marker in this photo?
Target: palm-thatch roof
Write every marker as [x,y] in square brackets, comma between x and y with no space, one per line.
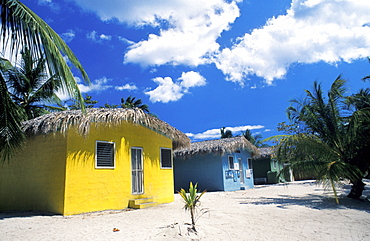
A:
[220,146]
[265,152]
[62,121]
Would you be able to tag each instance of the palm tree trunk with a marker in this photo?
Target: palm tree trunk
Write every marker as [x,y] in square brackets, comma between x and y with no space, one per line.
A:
[357,187]
[192,214]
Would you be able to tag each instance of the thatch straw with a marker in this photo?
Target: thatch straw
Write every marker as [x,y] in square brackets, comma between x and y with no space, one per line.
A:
[265,152]
[62,121]
[220,146]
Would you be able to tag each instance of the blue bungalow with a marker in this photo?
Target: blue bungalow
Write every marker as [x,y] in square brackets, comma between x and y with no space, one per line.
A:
[216,165]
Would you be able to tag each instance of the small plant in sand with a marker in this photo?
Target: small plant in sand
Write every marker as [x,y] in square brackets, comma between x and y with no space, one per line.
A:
[192,203]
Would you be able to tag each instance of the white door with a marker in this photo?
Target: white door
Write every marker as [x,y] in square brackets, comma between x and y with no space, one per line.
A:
[137,170]
[241,170]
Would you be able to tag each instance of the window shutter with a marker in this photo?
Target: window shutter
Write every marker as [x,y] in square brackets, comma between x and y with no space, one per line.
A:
[104,154]
[166,160]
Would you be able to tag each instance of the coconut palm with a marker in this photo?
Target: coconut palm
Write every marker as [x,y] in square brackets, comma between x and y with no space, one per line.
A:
[31,87]
[130,102]
[254,139]
[191,200]
[331,144]
[226,134]
[11,116]
[21,28]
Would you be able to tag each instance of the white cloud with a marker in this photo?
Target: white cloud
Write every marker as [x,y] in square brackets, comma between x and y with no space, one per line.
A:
[126,87]
[105,37]
[189,28]
[52,5]
[168,90]
[42,2]
[68,36]
[125,40]
[192,79]
[216,133]
[96,85]
[94,36]
[310,31]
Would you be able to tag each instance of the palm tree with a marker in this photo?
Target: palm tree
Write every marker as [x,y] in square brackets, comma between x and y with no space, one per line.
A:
[21,28]
[191,200]
[11,116]
[31,87]
[130,102]
[331,145]
[226,134]
[256,140]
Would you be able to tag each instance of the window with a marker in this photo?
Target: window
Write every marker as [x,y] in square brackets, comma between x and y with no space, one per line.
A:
[166,158]
[231,162]
[104,154]
[250,166]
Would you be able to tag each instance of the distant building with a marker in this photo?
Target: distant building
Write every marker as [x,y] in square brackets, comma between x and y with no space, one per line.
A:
[266,168]
[216,165]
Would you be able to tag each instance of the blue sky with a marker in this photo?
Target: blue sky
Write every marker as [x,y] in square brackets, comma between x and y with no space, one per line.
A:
[201,65]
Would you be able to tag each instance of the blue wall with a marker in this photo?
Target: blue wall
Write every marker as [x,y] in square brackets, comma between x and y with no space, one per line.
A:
[232,181]
[206,170]
[212,172]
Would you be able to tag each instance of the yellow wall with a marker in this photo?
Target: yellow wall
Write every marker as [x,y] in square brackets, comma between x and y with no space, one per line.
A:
[89,189]
[34,178]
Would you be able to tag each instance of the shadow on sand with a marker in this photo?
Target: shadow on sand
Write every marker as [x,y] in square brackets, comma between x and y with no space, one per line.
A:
[24,214]
[315,201]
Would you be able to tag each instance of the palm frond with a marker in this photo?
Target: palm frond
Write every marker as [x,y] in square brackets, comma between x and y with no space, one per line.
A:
[11,134]
[20,27]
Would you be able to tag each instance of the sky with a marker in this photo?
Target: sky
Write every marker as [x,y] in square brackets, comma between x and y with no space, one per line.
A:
[205,64]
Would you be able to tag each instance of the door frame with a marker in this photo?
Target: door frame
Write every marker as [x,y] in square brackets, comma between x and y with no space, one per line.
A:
[137,181]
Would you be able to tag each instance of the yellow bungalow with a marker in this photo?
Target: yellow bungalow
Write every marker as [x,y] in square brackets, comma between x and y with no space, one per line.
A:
[104,159]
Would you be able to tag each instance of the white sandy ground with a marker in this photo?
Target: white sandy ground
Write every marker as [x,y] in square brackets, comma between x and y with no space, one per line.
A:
[295,211]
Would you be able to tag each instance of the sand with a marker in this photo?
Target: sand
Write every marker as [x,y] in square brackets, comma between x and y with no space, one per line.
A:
[295,211]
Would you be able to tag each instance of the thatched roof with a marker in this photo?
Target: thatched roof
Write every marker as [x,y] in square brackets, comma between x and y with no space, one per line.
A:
[61,121]
[220,146]
[265,152]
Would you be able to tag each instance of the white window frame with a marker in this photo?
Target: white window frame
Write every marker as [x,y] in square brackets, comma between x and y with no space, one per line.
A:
[163,148]
[141,171]
[96,155]
[228,163]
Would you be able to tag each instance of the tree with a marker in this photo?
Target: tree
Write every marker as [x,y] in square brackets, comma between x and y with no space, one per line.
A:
[256,140]
[21,28]
[73,105]
[331,139]
[30,86]
[191,200]
[130,102]
[226,134]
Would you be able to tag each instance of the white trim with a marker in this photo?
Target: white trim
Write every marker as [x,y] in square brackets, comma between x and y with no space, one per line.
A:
[140,170]
[96,155]
[160,158]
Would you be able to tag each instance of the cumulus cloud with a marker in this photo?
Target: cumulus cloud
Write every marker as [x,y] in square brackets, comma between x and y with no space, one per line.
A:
[68,36]
[311,31]
[189,28]
[216,133]
[126,87]
[99,38]
[168,90]
[125,40]
[96,85]
[52,5]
